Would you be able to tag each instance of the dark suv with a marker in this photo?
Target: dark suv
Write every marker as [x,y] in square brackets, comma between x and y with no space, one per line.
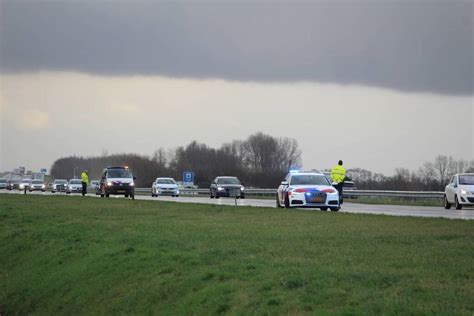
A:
[227,187]
[117,181]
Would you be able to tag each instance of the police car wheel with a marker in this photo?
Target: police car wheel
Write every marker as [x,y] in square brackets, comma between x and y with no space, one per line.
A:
[287,201]
[324,208]
[278,202]
[335,209]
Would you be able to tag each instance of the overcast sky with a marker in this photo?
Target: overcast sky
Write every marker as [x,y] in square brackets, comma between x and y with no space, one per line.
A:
[380,84]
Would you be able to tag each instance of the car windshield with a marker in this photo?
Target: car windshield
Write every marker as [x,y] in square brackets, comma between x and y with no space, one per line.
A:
[119,173]
[26,181]
[228,181]
[466,179]
[37,182]
[3,181]
[165,181]
[60,181]
[75,182]
[309,179]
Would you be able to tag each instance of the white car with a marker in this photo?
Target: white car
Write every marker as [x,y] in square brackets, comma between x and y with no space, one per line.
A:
[74,186]
[460,191]
[25,184]
[164,186]
[37,185]
[307,189]
[59,185]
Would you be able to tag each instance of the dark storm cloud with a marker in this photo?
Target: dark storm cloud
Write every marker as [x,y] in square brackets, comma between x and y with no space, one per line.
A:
[405,45]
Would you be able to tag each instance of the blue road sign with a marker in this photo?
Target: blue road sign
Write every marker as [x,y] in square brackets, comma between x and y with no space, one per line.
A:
[44,170]
[188,177]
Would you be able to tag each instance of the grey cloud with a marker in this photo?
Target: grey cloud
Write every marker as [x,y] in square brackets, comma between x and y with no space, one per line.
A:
[406,45]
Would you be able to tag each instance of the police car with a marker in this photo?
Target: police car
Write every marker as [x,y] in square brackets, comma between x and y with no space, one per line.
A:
[307,189]
[117,181]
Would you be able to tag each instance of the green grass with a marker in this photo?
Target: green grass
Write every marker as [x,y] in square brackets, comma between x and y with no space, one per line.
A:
[396,201]
[74,255]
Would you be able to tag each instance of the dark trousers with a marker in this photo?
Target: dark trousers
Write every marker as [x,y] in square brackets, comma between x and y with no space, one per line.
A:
[339,188]
[84,188]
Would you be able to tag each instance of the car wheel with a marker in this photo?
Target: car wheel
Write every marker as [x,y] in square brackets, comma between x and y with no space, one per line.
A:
[278,202]
[53,191]
[242,196]
[458,205]
[107,195]
[126,195]
[177,196]
[335,209]
[447,205]
[324,208]
[287,201]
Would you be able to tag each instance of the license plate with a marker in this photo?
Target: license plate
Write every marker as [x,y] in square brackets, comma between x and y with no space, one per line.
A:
[234,192]
[121,191]
[317,198]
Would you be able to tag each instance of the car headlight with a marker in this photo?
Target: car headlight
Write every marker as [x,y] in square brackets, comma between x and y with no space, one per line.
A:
[43,186]
[109,184]
[22,186]
[242,188]
[220,189]
[132,184]
[463,191]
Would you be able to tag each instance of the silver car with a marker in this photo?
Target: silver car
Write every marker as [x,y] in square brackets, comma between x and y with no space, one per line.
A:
[74,186]
[37,185]
[3,184]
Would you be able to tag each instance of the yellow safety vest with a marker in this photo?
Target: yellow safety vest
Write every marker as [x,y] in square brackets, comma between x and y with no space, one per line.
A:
[85,178]
[338,174]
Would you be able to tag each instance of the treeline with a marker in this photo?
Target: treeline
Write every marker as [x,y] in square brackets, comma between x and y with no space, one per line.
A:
[260,160]
[431,176]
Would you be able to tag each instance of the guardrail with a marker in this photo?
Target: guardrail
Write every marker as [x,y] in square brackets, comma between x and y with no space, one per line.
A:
[347,193]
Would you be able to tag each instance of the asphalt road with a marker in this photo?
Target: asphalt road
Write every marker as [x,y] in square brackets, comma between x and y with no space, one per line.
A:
[394,210]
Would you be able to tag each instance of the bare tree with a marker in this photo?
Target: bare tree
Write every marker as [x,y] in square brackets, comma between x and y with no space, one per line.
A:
[442,165]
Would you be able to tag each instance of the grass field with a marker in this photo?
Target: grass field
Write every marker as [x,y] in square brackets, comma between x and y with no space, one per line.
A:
[73,255]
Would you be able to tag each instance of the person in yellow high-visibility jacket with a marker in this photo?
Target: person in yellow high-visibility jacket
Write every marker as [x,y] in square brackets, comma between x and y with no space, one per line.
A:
[338,174]
[85,182]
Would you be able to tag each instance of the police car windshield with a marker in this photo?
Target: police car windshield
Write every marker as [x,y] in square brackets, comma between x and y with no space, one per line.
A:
[60,181]
[75,182]
[119,173]
[309,179]
[37,182]
[26,181]
[228,181]
[466,180]
[165,181]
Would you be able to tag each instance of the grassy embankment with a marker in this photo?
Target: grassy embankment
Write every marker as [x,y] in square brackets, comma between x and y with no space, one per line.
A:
[73,255]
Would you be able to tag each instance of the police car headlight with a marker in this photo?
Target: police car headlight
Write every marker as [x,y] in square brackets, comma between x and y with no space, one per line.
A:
[43,186]
[22,186]
[220,189]
[109,184]
[132,184]
[242,188]
[464,192]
